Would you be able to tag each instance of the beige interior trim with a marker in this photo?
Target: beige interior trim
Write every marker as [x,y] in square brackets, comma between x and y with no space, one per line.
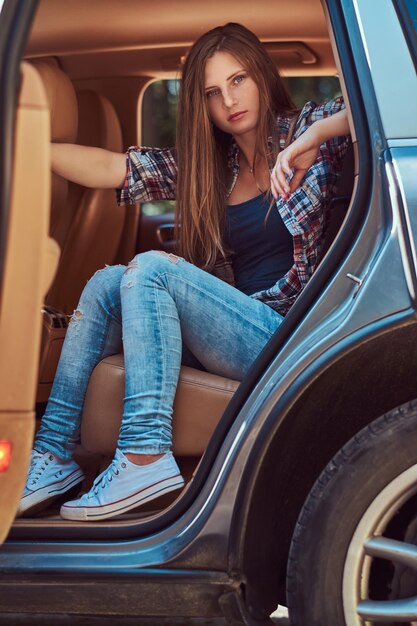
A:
[31,259]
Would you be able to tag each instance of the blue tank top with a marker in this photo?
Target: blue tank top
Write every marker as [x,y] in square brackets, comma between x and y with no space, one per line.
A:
[262,252]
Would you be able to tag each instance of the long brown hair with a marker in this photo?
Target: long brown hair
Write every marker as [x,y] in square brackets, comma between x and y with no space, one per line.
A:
[202,148]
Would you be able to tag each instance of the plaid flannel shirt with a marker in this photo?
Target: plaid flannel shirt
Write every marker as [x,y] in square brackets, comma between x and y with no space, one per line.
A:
[151,175]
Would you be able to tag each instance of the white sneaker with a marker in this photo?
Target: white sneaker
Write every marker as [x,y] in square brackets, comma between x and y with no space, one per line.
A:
[124,486]
[48,477]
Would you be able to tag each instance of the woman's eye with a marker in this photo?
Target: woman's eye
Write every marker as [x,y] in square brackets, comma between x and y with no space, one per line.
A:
[211,93]
[238,79]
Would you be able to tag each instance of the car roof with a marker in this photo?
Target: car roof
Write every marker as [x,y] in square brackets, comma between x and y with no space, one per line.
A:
[131,37]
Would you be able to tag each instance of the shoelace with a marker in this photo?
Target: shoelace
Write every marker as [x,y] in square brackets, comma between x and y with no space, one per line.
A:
[107,476]
[38,466]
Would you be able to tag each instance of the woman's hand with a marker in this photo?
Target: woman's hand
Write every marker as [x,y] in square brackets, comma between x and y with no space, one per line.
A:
[300,155]
[294,161]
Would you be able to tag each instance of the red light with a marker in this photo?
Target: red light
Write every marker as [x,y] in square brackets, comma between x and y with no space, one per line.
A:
[5,454]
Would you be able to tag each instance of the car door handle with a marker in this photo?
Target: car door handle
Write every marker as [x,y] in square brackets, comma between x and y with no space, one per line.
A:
[165,233]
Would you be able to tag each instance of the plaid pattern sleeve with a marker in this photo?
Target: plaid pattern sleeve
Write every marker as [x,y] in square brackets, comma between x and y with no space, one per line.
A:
[151,174]
[336,146]
[304,211]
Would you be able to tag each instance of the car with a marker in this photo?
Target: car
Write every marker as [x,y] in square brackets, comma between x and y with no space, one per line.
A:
[301,478]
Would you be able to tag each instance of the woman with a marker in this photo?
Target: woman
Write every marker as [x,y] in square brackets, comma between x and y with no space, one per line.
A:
[245,219]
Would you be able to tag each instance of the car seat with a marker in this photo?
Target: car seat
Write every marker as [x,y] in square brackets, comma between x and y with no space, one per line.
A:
[86,223]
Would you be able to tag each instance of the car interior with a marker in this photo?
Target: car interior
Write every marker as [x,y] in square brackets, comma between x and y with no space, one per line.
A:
[95,61]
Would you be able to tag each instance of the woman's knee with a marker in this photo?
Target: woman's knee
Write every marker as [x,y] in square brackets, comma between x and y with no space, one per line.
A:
[151,263]
[104,284]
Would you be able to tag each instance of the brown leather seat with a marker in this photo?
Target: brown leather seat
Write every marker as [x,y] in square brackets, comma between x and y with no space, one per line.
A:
[95,222]
[63,110]
[199,403]
[86,223]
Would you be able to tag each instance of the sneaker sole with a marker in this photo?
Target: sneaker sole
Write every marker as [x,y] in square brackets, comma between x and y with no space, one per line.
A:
[46,495]
[94,513]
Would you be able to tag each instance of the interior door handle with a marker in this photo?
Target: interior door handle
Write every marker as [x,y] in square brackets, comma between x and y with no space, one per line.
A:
[165,233]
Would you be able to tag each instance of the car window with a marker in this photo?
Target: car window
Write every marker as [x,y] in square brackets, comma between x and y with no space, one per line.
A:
[411,6]
[407,10]
[317,88]
[159,110]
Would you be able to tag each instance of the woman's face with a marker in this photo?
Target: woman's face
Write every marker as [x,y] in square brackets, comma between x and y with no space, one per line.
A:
[232,95]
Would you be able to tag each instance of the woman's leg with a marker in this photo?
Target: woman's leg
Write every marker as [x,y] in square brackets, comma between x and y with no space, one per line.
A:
[164,299]
[94,332]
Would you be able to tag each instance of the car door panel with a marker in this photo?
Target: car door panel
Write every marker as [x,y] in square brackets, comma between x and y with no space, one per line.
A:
[30,263]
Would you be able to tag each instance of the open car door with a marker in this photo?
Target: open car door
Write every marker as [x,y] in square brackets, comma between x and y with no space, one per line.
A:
[28,257]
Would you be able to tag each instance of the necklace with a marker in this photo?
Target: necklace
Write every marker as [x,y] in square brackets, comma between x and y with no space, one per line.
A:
[251,170]
[256,182]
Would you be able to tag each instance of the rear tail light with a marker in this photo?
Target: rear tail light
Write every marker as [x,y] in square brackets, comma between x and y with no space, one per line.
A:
[5,454]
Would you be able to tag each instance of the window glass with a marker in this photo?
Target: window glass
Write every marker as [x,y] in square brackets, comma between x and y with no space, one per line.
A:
[159,110]
[411,6]
[159,113]
[316,88]
[407,10]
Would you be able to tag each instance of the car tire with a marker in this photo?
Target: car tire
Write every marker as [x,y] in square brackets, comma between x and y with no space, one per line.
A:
[354,547]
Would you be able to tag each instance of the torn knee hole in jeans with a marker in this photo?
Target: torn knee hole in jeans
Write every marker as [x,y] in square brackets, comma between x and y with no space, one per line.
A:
[76,316]
[169,255]
[133,265]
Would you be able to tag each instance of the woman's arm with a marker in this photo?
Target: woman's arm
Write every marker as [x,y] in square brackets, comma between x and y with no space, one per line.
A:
[91,167]
[300,155]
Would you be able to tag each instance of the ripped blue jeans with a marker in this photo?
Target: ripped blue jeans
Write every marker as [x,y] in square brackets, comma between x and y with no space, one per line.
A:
[152,308]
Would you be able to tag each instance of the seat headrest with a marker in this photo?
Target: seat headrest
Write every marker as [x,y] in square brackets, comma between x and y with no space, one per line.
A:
[98,124]
[62,101]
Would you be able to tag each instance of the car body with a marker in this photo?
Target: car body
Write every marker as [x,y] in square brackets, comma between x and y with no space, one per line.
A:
[344,356]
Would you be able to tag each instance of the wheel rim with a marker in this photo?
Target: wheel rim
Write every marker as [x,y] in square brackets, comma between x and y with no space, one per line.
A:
[368,543]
